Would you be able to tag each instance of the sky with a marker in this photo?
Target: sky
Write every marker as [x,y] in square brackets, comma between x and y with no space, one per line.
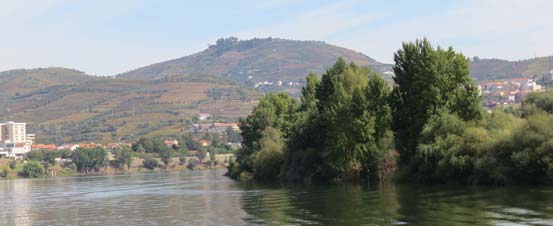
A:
[107,37]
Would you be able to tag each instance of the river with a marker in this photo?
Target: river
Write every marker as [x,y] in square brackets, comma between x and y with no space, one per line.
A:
[209,198]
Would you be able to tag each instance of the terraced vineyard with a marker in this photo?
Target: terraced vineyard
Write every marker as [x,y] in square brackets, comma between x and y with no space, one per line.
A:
[63,105]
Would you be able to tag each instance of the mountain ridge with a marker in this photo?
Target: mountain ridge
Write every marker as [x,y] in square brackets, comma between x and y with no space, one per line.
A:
[260,58]
[61,103]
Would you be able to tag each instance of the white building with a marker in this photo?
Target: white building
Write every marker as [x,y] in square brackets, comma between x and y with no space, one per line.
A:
[204,116]
[14,140]
[13,132]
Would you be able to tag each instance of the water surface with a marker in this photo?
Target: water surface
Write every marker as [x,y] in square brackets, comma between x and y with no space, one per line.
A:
[209,198]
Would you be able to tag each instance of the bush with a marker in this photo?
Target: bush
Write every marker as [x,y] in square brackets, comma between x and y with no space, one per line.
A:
[268,160]
[193,163]
[165,155]
[88,160]
[13,164]
[150,164]
[123,155]
[233,170]
[33,169]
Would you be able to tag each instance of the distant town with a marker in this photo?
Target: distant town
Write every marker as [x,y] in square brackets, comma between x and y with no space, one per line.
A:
[204,144]
[501,93]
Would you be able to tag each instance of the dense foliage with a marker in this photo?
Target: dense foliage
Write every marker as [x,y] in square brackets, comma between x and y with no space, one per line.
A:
[428,81]
[543,100]
[49,156]
[349,124]
[123,156]
[150,163]
[32,169]
[89,160]
[341,129]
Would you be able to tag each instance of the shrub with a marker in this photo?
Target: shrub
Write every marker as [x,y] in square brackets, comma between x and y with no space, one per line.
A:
[33,169]
[13,164]
[150,164]
[192,164]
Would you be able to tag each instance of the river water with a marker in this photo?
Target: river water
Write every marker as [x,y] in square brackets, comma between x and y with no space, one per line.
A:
[209,198]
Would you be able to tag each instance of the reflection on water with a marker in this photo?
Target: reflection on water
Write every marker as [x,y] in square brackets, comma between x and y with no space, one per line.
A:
[208,198]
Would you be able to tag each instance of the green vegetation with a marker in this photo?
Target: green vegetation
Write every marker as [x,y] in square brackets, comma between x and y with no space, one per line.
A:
[123,155]
[349,125]
[72,107]
[33,169]
[150,163]
[341,125]
[165,155]
[13,164]
[48,155]
[543,100]
[428,81]
[89,160]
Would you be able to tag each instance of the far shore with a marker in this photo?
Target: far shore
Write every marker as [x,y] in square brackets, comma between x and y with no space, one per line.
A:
[59,170]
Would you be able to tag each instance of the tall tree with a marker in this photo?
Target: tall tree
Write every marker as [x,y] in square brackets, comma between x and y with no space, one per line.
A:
[124,156]
[273,110]
[309,92]
[427,80]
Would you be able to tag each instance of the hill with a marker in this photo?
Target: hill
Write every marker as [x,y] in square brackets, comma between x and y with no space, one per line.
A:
[63,105]
[491,69]
[255,60]
[22,81]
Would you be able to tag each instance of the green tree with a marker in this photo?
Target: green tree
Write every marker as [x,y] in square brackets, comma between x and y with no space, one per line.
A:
[97,158]
[543,100]
[146,144]
[337,117]
[165,155]
[87,160]
[35,155]
[32,169]
[50,156]
[426,80]
[13,164]
[273,110]
[123,155]
[309,92]
[268,160]
[81,159]
[372,136]
[64,153]
[150,163]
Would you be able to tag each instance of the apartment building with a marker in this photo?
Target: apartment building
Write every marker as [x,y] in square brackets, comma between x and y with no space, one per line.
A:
[13,132]
[14,140]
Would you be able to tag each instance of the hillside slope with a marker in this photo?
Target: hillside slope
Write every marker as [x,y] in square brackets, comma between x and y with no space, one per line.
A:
[263,59]
[63,105]
[490,69]
[22,81]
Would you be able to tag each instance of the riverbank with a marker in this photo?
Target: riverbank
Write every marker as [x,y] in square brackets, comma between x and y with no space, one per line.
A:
[14,169]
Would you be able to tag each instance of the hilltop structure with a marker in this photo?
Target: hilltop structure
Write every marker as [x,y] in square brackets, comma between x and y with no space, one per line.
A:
[14,140]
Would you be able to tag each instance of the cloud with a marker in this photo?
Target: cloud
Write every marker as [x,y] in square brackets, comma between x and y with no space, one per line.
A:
[315,24]
[108,37]
[506,29]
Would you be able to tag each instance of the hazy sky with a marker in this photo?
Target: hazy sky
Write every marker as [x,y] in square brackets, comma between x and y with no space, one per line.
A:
[107,37]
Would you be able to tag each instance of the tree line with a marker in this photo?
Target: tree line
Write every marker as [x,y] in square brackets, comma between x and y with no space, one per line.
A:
[427,127]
